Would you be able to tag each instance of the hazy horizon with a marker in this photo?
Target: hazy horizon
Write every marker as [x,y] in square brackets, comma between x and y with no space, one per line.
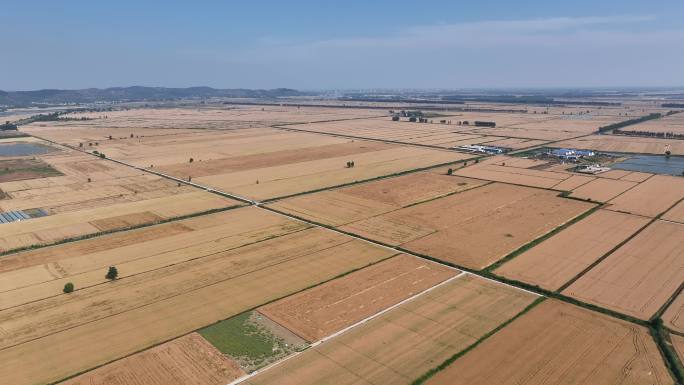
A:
[316,46]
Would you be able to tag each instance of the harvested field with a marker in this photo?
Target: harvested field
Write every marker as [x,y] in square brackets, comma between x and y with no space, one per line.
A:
[429,134]
[20,169]
[526,172]
[561,344]
[39,274]
[362,201]
[676,214]
[652,197]
[489,222]
[615,174]
[324,310]
[188,360]
[90,195]
[164,295]
[674,315]
[636,176]
[640,276]
[561,257]
[573,182]
[630,144]
[398,346]
[602,189]
[169,121]
[266,163]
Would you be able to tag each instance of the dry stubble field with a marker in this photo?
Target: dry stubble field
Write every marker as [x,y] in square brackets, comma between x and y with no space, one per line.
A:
[400,345]
[116,197]
[324,310]
[473,228]
[639,277]
[188,360]
[629,144]
[265,163]
[169,294]
[560,258]
[561,344]
[428,134]
[674,315]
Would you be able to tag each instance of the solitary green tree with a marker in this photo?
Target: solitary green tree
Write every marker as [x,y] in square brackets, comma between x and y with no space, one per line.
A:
[68,287]
[112,273]
[450,171]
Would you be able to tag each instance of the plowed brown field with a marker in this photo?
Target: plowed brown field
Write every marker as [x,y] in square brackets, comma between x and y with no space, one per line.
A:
[561,344]
[558,259]
[398,346]
[640,276]
[188,360]
[321,311]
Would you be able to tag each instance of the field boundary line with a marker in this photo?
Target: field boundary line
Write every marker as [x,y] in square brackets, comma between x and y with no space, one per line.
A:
[348,328]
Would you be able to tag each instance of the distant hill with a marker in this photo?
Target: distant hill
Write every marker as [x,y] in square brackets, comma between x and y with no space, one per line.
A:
[135,93]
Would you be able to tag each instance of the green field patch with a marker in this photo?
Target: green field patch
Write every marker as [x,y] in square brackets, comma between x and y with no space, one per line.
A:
[252,340]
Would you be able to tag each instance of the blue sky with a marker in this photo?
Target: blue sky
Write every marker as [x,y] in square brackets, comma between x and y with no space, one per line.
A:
[341,45]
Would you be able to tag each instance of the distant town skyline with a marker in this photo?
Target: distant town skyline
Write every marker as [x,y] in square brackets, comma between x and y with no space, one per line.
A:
[324,45]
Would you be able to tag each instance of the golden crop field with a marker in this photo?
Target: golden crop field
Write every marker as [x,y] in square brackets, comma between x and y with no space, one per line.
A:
[319,241]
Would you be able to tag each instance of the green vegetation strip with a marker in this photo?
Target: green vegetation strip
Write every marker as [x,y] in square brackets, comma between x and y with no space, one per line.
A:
[629,122]
[662,339]
[456,356]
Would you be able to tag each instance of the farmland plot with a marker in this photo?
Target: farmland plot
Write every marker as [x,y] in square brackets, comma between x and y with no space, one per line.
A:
[91,195]
[362,201]
[640,276]
[319,312]
[561,344]
[188,360]
[652,197]
[398,346]
[474,228]
[49,339]
[560,258]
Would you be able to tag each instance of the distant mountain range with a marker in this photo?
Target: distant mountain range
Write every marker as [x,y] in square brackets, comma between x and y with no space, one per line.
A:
[135,93]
